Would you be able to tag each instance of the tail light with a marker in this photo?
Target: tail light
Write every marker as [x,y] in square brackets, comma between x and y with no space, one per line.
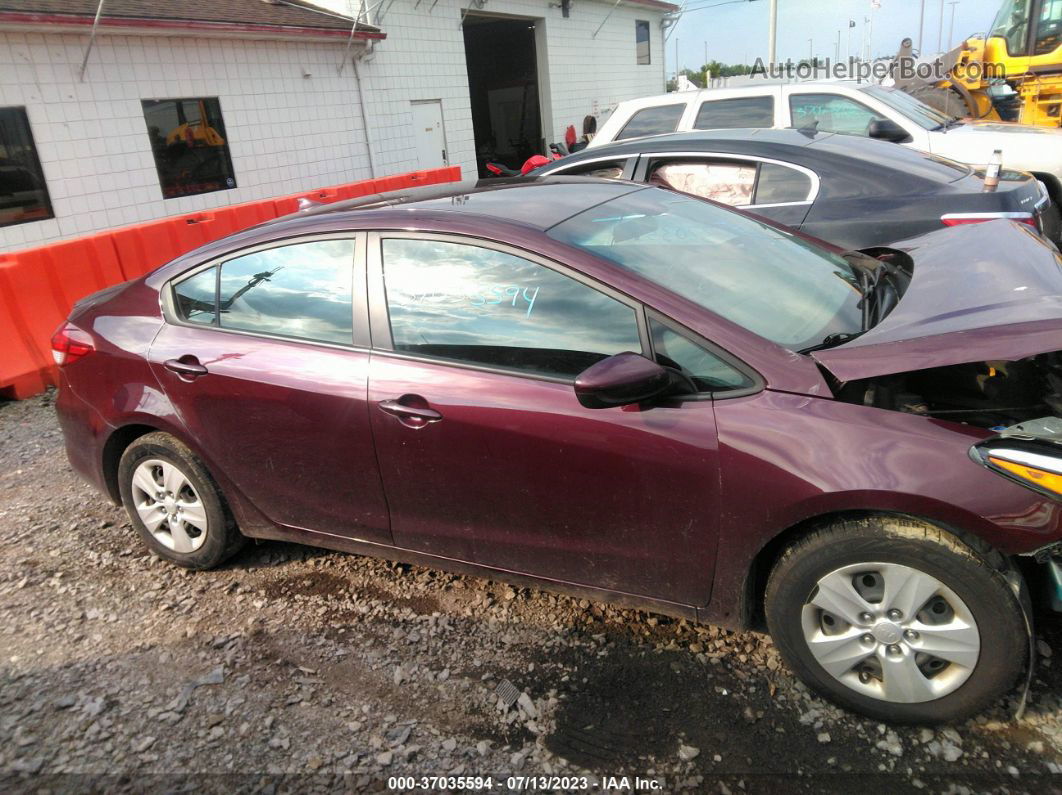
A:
[69,343]
[958,219]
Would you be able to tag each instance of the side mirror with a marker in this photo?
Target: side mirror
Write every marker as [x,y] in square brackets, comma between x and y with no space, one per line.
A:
[888,130]
[628,378]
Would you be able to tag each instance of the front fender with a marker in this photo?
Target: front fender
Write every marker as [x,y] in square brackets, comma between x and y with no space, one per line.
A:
[786,459]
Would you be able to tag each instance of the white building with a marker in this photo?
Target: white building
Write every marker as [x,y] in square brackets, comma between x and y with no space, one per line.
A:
[182,107]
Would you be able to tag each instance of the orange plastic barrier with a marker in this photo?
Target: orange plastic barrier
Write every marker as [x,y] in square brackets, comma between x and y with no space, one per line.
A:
[26,311]
[39,285]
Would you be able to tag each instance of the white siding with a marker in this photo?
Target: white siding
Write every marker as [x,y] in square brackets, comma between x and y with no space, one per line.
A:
[287,132]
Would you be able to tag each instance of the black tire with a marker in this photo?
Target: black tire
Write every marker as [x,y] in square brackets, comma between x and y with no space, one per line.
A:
[977,579]
[1052,224]
[222,538]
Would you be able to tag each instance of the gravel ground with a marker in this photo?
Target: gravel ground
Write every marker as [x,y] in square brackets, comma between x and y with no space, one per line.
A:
[295,669]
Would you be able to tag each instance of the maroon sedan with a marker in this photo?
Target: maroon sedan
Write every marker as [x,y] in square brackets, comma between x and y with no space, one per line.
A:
[611,389]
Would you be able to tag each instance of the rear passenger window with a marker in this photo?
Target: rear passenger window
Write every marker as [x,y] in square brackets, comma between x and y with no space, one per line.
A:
[608,169]
[476,305]
[194,297]
[726,182]
[781,184]
[722,114]
[653,121]
[302,291]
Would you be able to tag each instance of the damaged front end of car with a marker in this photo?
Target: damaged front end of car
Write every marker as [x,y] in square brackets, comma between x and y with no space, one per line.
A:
[994,394]
[976,340]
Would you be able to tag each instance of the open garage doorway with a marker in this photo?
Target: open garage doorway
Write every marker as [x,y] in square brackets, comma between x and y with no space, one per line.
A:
[503,86]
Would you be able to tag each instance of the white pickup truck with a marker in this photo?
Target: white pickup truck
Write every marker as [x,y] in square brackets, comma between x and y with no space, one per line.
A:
[844,107]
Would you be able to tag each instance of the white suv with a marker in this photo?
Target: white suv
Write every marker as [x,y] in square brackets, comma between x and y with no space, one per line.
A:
[844,107]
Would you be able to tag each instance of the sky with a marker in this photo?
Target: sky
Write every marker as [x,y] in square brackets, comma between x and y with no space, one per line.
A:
[737,31]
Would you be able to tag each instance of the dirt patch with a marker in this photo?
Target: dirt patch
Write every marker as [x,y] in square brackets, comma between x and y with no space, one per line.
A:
[318,584]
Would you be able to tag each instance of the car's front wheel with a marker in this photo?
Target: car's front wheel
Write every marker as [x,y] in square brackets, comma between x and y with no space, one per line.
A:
[897,620]
[174,503]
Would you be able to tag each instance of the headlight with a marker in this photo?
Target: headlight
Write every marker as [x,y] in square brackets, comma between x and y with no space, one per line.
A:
[1035,465]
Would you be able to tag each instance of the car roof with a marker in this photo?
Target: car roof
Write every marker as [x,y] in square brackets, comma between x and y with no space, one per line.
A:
[536,202]
[753,136]
[748,89]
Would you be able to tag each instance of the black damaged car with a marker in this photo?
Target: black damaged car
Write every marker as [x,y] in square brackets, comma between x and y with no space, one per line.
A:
[854,192]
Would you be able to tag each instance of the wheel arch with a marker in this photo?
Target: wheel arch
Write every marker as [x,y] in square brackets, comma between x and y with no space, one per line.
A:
[768,555]
[250,520]
[124,435]
[117,443]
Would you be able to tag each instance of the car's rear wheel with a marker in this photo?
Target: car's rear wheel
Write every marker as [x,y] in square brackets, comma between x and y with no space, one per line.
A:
[897,620]
[1052,223]
[174,503]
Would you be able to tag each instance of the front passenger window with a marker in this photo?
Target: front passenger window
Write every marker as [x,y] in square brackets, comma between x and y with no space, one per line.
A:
[831,113]
[477,305]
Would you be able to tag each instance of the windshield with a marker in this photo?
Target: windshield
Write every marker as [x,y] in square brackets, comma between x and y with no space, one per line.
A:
[917,111]
[1012,24]
[764,279]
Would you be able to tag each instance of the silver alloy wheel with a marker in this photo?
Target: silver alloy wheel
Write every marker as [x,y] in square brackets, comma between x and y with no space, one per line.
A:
[168,506]
[891,632]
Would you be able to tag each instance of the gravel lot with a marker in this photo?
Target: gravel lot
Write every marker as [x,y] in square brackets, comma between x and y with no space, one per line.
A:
[294,669]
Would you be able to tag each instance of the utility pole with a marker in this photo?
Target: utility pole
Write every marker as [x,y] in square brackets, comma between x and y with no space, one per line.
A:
[811,51]
[951,27]
[772,33]
[837,49]
[874,6]
[921,26]
[677,60]
[940,30]
[706,56]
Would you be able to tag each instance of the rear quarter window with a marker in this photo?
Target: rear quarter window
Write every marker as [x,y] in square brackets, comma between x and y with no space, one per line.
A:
[195,298]
[653,121]
[779,184]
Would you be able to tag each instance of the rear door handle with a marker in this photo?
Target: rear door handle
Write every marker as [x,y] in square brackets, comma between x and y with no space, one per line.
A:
[411,416]
[187,367]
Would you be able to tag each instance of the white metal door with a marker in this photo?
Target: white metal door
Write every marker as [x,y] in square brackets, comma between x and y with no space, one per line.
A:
[429,134]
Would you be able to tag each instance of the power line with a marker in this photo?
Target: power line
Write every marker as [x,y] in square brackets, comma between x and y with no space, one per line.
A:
[714,5]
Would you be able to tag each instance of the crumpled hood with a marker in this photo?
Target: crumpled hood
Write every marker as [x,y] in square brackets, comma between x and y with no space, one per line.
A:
[979,292]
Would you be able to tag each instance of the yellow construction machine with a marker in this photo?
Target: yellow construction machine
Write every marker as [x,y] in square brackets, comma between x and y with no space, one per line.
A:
[1012,73]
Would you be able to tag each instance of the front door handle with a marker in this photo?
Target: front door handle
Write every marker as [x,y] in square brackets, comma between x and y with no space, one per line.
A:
[187,367]
[410,416]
